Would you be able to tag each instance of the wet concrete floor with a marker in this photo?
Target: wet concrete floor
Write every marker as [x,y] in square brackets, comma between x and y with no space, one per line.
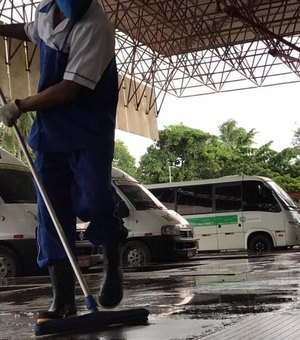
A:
[191,300]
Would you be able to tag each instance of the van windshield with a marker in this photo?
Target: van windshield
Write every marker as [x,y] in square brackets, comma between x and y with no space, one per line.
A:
[139,196]
[283,196]
[16,186]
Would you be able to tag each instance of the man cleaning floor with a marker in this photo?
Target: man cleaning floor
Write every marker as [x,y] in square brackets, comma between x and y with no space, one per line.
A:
[73,139]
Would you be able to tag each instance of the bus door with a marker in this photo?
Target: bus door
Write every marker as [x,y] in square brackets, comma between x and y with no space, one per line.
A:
[195,204]
[228,218]
[262,212]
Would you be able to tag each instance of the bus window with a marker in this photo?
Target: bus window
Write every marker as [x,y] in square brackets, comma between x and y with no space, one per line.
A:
[228,197]
[257,197]
[166,196]
[283,196]
[194,200]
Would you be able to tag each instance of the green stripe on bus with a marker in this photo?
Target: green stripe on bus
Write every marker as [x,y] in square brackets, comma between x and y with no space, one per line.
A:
[206,221]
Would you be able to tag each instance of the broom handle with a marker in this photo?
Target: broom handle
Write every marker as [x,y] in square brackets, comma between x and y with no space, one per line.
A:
[52,214]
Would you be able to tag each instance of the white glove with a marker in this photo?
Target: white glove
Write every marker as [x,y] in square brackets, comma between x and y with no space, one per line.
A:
[10,113]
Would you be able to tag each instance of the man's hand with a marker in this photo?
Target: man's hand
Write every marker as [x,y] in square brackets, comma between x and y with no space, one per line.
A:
[10,113]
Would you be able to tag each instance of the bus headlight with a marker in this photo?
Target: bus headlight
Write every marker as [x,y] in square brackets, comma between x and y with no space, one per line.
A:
[170,230]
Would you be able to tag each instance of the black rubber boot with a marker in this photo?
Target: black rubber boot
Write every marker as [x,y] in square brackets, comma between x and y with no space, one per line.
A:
[111,293]
[63,289]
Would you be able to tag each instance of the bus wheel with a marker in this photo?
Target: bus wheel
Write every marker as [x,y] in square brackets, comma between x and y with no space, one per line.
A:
[260,243]
[9,264]
[135,253]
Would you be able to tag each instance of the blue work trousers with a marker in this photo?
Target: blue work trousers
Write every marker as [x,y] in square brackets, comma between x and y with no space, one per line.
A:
[78,184]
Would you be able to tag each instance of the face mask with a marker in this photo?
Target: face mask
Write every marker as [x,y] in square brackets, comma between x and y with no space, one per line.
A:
[73,9]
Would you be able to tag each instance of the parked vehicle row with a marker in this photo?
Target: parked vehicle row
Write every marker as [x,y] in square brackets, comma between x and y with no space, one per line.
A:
[155,233]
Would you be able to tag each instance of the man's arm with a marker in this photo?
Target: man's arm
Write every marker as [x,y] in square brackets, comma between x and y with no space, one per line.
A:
[56,95]
[15,31]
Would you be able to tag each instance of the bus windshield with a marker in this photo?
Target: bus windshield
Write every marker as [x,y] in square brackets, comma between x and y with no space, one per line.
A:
[139,196]
[283,196]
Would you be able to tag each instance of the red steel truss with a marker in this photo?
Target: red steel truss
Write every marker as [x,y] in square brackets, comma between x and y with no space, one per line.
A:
[195,47]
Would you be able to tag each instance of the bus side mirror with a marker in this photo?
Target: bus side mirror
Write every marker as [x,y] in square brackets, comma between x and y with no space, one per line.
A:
[122,209]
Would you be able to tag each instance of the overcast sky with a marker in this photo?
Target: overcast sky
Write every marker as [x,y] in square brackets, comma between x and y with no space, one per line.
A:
[273,112]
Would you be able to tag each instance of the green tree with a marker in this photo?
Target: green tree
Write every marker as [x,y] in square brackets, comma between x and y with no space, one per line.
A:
[190,148]
[202,155]
[234,136]
[287,182]
[285,162]
[245,158]
[123,159]
[296,138]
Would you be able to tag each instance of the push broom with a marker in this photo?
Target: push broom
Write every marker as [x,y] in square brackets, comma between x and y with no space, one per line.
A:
[94,320]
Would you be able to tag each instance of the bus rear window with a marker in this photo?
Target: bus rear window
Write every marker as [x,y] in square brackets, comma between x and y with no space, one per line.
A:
[16,186]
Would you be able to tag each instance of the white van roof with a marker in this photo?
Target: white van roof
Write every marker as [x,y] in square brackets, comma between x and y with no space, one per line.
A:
[8,158]
[118,174]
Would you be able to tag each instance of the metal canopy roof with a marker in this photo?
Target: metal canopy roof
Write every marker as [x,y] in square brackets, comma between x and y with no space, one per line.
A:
[194,47]
[184,26]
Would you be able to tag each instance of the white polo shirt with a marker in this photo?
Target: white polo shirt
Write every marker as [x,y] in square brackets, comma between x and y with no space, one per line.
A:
[90,45]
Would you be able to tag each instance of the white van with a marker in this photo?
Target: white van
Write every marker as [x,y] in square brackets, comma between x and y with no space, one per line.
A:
[18,222]
[18,217]
[155,233]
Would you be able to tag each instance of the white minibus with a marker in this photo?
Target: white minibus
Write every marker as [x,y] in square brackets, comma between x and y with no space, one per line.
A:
[155,233]
[234,212]
[18,218]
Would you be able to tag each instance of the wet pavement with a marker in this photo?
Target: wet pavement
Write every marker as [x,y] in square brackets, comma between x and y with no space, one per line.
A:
[221,296]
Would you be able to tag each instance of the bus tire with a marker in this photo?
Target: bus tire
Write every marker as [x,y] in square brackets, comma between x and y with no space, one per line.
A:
[135,254]
[260,243]
[9,263]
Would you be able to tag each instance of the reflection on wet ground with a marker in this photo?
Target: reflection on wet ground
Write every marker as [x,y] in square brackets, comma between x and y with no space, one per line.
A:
[189,300]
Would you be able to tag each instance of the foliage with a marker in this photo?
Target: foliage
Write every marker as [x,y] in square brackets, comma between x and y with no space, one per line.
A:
[123,159]
[287,182]
[200,155]
[179,150]
[234,136]
[9,140]
[296,138]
